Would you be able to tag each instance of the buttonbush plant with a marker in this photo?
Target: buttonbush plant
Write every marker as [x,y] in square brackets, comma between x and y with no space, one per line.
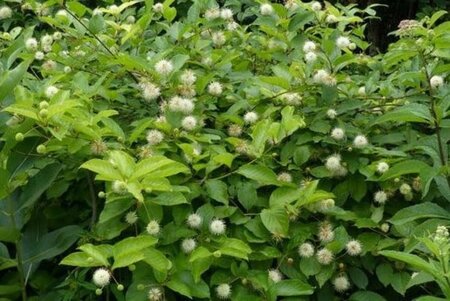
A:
[241,150]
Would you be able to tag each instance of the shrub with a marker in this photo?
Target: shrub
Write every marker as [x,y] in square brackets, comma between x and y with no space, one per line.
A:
[246,151]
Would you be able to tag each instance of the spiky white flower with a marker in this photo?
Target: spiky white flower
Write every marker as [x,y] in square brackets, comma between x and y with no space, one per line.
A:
[155,293]
[436,81]
[5,12]
[275,275]
[306,250]
[235,130]
[341,283]
[382,167]
[218,38]
[223,291]
[266,9]
[316,6]
[212,13]
[291,98]
[217,227]
[320,76]
[405,189]
[131,217]
[215,88]
[250,117]
[232,26]
[330,19]
[180,104]
[158,7]
[325,205]
[360,141]
[362,91]
[226,13]
[291,4]
[284,177]
[62,14]
[188,245]
[31,44]
[39,55]
[189,123]
[188,77]
[380,197]
[154,137]
[333,162]
[310,57]
[149,90]
[326,233]
[46,40]
[385,227]
[194,220]
[353,247]
[153,227]
[337,134]
[101,277]
[50,91]
[343,42]
[324,256]
[164,67]
[309,46]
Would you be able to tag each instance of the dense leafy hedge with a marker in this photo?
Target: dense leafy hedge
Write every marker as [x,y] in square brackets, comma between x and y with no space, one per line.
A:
[251,151]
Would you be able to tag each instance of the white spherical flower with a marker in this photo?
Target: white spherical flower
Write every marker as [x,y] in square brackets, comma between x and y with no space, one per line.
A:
[284,177]
[362,91]
[62,13]
[250,117]
[189,123]
[215,88]
[316,6]
[67,69]
[266,9]
[320,76]
[291,4]
[232,26]
[51,91]
[188,77]
[5,12]
[31,44]
[47,48]
[153,227]
[309,46]
[101,277]
[47,40]
[39,55]
[382,167]
[325,205]
[164,67]
[326,233]
[275,275]
[223,291]
[194,220]
[353,247]
[155,294]
[333,162]
[218,38]
[310,57]
[154,137]
[385,227]
[436,81]
[341,283]
[306,250]
[158,7]
[188,245]
[324,256]
[360,141]
[212,13]
[405,189]
[149,90]
[343,42]
[217,227]
[180,104]
[380,197]
[131,217]
[226,13]
[331,19]
[337,134]
[291,98]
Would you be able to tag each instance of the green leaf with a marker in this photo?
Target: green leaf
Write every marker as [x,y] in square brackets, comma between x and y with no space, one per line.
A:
[98,253]
[157,260]
[96,23]
[259,173]
[12,78]
[130,250]
[412,260]
[217,190]
[276,221]
[365,296]
[284,195]
[81,259]
[424,210]
[183,283]
[400,282]
[409,113]
[235,248]
[110,222]
[164,166]
[385,273]
[260,136]
[169,199]
[291,287]
[104,169]
[403,168]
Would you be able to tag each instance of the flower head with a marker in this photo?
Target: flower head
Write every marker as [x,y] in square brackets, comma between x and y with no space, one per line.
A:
[164,67]
[306,250]
[215,88]
[218,38]
[326,233]
[188,245]
[153,227]
[188,77]
[234,130]
[250,117]
[436,81]
[309,46]
[31,44]
[39,55]
[291,98]
[101,277]
[266,9]
[226,13]
[155,294]
[316,6]
[341,283]
[337,134]
[275,275]
[360,141]
[180,104]
[330,19]
[382,167]
[353,247]
[212,13]
[284,177]
[380,197]
[119,187]
[217,227]
[158,7]
[149,90]
[194,220]
[5,12]
[333,162]
[131,217]
[310,57]
[405,189]
[51,91]
[154,137]
[189,123]
[223,291]
[324,256]
[343,42]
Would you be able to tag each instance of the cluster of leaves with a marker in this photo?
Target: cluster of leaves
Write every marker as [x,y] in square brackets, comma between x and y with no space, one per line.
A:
[246,151]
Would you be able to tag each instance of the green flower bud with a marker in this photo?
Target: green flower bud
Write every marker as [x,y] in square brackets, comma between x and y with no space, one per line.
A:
[98,291]
[19,137]
[41,149]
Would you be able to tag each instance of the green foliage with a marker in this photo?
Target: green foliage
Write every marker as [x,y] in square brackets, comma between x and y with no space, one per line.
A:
[254,151]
